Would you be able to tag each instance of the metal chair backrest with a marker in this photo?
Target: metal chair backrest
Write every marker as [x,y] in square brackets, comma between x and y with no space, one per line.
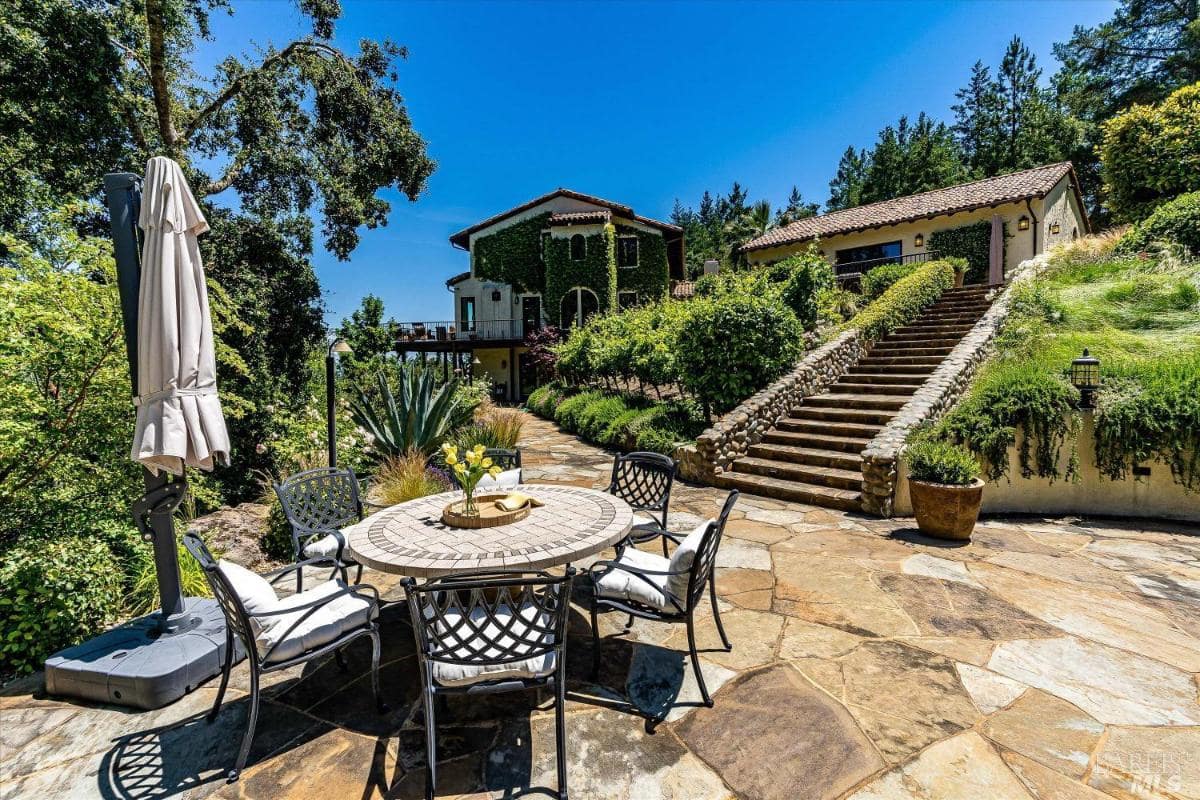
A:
[321,499]
[643,480]
[236,617]
[504,458]
[458,619]
[706,554]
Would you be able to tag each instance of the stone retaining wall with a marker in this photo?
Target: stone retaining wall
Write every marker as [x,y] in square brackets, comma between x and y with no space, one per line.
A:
[732,435]
[941,390]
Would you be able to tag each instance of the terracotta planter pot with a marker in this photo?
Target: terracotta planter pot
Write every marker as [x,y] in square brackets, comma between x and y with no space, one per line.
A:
[959,277]
[945,511]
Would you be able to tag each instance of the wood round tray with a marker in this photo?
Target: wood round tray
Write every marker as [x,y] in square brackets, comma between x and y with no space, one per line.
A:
[487,515]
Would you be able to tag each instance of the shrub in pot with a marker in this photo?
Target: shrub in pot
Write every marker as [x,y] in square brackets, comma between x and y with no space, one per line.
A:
[945,487]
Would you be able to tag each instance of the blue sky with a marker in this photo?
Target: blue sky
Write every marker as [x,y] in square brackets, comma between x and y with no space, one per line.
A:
[641,103]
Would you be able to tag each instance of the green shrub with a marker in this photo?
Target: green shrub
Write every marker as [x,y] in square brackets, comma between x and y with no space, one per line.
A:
[877,280]
[905,299]
[1174,222]
[544,400]
[658,440]
[1150,154]
[734,345]
[598,415]
[1012,397]
[937,461]
[570,410]
[143,596]
[276,541]
[56,593]
[971,243]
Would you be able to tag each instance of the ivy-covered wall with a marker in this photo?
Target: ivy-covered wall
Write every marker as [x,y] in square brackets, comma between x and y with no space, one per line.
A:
[651,277]
[597,271]
[972,242]
[513,255]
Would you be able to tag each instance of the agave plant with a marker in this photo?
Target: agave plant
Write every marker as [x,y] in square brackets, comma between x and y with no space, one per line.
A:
[420,418]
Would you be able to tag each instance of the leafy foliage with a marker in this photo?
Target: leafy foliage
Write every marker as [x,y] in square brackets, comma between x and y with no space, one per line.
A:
[56,592]
[878,279]
[1150,154]
[420,418]
[971,243]
[937,461]
[1174,222]
[403,478]
[911,158]
[143,595]
[904,300]
[513,255]
[807,276]
[620,421]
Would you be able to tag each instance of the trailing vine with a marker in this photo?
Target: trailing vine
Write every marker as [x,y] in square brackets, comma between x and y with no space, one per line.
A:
[651,277]
[513,255]
[596,271]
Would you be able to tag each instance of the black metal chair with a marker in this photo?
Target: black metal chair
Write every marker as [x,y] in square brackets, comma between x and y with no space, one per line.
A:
[653,587]
[504,458]
[644,480]
[317,503]
[279,633]
[485,632]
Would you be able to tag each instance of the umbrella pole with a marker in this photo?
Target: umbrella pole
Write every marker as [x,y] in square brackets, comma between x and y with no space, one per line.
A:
[123,192]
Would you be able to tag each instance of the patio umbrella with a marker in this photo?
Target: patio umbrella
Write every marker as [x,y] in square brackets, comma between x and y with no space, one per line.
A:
[996,252]
[179,419]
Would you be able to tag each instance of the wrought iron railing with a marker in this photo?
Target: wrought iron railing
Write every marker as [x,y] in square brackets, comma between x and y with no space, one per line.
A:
[452,330]
[856,269]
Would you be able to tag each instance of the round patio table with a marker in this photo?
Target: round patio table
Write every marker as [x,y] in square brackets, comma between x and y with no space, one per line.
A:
[411,539]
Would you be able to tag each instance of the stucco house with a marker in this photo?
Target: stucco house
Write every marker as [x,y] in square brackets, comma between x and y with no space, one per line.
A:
[554,260]
[1037,208]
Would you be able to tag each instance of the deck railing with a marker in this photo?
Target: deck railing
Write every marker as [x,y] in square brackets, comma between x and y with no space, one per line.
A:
[853,270]
[452,331]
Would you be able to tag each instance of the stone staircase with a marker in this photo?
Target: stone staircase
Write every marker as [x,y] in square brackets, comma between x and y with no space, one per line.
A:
[813,455]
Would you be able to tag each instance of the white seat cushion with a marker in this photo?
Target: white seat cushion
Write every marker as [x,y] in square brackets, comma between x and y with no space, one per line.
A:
[328,622]
[682,558]
[506,481]
[622,585]
[325,547]
[529,625]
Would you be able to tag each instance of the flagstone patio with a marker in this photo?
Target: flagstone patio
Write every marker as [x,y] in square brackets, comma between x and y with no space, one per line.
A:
[1047,659]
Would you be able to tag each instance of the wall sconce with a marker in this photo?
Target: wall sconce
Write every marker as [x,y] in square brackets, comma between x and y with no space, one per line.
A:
[1055,228]
[1023,223]
[495,295]
[919,240]
[1085,375]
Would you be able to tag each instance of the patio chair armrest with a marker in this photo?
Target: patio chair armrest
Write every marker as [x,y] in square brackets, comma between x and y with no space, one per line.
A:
[323,561]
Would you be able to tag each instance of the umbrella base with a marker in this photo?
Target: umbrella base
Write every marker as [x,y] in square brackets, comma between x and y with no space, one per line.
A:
[144,664]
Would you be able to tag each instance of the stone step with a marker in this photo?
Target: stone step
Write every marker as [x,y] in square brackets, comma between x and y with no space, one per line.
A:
[904,349]
[801,473]
[934,330]
[823,496]
[920,339]
[813,456]
[849,401]
[847,385]
[860,416]
[901,361]
[962,308]
[948,319]
[885,378]
[834,432]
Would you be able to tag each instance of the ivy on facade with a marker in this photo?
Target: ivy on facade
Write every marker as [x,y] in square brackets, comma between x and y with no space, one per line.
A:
[972,242]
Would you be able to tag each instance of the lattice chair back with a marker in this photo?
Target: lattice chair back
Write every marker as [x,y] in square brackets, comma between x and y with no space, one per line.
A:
[236,619]
[504,458]
[643,480]
[476,619]
[706,555]
[319,501]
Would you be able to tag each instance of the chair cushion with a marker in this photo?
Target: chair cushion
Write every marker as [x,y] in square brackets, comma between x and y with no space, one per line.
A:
[505,481]
[682,558]
[622,585]
[329,622]
[325,547]
[253,590]
[492,637]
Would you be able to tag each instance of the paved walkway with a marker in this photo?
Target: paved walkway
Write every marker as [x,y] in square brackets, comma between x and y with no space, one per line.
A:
[1048,659]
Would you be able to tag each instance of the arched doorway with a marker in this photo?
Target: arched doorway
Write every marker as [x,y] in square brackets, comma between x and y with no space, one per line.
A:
[577,307]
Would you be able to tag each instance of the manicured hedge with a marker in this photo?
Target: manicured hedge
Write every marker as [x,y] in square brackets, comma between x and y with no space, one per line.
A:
[877,280]
[618,421]
[973,243]
[905,299]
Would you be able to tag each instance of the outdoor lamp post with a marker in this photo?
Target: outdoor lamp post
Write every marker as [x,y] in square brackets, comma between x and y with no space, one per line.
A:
[1085,375]
[336,346]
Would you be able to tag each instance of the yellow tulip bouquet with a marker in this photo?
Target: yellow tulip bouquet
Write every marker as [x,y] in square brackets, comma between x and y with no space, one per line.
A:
[469,470]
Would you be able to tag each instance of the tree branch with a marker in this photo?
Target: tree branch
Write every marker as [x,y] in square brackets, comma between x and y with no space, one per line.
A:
[226,180]
[158,72]
[235,85]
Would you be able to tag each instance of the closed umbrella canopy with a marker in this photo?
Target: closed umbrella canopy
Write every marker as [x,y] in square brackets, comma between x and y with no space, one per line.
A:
[179,419]
[996,252]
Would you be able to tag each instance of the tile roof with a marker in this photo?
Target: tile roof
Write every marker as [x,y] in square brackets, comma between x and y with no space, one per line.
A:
[457,279]
[1027,184]
[581,217]
[463,238]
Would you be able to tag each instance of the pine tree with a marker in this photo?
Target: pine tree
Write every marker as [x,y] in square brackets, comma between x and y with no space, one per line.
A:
[795,209]
[845,190]
[1017,79]
[977,121]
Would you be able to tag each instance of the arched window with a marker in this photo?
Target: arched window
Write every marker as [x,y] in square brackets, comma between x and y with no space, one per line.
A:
[577,307]
[578,247]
